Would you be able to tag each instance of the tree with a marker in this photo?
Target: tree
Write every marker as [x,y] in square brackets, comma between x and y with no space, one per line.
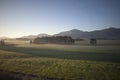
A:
[2,43]
[93,41]
[31,42]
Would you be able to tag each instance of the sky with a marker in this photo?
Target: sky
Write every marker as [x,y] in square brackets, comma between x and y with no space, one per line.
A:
[31,17]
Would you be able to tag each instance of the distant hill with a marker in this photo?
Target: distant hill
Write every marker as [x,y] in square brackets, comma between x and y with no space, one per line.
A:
[35,36]
[109,33]
[4,38]
[43,35]
[29,36]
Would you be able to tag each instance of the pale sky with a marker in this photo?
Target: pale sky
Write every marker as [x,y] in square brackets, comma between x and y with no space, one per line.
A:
[26,17]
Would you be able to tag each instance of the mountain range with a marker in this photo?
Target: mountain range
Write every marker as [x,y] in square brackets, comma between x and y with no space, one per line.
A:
[108,33]
[35,36]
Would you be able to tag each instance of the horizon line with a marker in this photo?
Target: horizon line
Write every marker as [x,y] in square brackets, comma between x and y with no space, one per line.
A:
[60,32]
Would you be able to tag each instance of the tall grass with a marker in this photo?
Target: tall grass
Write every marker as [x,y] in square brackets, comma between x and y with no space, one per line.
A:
[63,68]
[68,62]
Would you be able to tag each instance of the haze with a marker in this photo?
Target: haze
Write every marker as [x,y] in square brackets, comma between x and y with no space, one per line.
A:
[25,17]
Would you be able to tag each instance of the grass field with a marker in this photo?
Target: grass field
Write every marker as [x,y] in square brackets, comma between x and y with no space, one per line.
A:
[80,61]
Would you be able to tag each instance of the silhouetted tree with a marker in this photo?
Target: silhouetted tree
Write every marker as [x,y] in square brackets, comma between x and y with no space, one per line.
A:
[31,42]
[93,41]
[2,43]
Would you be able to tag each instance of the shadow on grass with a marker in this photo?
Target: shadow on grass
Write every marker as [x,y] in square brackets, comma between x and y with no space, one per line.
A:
[9,75]
[51,53]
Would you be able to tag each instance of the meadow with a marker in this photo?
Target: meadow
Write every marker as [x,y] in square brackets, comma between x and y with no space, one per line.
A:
[80,61]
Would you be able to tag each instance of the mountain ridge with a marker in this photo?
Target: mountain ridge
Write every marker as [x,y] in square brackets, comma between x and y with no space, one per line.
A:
[35,36]
[107,33]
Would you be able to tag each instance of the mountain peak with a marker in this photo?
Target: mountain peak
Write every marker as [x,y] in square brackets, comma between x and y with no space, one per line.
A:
[75,30]
[112,28]
[43,35]
[108,33]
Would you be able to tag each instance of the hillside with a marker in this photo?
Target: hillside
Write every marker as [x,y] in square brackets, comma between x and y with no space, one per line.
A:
[35,36]
[109,33]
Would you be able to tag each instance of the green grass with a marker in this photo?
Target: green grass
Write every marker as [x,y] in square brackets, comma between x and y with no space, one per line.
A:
[74,52]
[11,55]
[100,42]
[63,68]
[69,62]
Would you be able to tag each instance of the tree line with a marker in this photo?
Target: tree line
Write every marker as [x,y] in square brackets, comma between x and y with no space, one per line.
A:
[54,39]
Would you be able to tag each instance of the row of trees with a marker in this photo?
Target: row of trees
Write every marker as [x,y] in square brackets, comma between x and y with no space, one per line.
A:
[59,40]
[56,40]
